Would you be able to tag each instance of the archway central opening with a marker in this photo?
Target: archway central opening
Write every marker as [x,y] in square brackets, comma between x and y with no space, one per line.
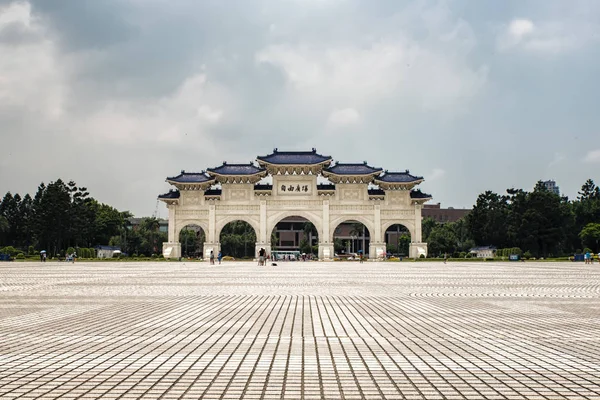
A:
[237,240]
[294,238]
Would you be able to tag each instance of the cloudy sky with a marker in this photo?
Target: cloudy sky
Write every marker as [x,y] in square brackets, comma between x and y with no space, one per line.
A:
[119,94]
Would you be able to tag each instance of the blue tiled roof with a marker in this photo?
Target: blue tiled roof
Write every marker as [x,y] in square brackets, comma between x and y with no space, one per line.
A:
[236,169]
[190,177]
[294,157]
[172,194]
[398,177]
[353,169]
[417,194]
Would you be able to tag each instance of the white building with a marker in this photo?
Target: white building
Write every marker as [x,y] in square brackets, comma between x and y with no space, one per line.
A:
[484,251]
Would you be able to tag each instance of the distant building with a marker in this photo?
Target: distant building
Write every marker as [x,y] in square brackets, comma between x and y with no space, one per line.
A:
[107,251]
[551,186]
[484,251]
[443,215]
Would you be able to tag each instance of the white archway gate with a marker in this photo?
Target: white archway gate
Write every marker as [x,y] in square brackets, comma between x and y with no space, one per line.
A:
[358,192]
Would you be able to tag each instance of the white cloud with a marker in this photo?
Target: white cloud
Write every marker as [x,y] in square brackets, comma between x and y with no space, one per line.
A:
[550,37]
[592,157]
[436,174]
[400,67]
[520,27]
[31,76]
[189,113]
[344,117]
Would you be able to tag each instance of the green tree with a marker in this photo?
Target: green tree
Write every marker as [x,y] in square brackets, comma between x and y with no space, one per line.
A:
[427,226]
[487,220]
[403,245]
[590,236]
[4,228]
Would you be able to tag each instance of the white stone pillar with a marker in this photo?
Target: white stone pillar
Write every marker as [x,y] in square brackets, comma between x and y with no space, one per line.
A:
[212,242]
[377,247]
[418,219]
[326,249]
[324,236]
[263,236]
[172,223]
[172,248]
[377,222]
[212,223]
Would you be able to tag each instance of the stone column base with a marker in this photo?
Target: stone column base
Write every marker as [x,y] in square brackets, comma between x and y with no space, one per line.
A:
[171,250]
[416,249]
[215,247]
[326,252]
[377,251]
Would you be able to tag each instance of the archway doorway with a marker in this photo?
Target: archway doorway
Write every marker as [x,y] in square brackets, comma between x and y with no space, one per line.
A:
[192,238]
[397,240]
[294,238]
[350,239]
[237,240]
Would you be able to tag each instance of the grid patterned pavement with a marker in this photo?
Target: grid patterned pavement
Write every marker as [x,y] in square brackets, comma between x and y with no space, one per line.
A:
[300,330]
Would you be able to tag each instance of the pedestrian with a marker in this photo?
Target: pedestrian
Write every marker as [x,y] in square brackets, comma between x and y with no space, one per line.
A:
[44,258]
[220,257]
[212,258]
[586,257]
[445,257]
[41,257]
[261,256]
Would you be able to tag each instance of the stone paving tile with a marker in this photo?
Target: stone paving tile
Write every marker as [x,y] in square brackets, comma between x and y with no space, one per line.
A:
[300,331]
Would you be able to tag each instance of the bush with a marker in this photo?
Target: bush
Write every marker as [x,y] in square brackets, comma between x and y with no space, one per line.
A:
[587,250]
[422,256]
[10,251]
[462,254]
[31,251]
[527,255]
[20,256]
[70,250]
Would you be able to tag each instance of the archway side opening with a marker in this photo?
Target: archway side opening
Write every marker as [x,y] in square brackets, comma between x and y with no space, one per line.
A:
[397,239]
[237,239]
[351,240]
[294,238]
[191,238]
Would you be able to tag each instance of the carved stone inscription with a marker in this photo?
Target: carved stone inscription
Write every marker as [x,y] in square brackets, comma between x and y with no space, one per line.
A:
[295,188]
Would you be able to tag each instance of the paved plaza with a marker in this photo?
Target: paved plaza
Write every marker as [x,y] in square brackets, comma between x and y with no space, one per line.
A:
[411,330]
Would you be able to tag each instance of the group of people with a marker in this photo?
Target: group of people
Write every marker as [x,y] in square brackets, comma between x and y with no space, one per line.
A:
[212,257]
[589,258]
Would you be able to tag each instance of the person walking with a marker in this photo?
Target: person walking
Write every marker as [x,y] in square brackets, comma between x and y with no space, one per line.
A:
[219,257]
[261,256]
[445,257]
[212,257]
